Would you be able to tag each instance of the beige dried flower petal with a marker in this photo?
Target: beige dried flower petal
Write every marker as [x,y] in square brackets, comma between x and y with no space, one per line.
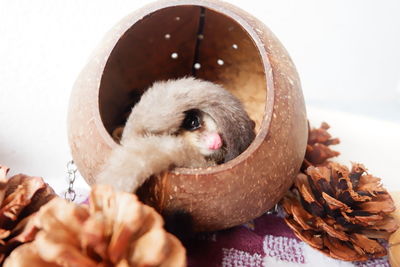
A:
[114,230]
[20,197]
[26,256]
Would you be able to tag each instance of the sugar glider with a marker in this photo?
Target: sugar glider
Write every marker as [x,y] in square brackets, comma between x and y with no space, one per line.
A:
[185,122]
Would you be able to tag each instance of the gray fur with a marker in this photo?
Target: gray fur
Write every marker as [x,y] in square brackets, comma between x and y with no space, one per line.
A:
[149,144]
[161,111]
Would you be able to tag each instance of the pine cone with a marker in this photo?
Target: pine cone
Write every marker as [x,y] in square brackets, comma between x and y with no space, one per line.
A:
[21,196]
[340,212]
[114,230]
[318,150]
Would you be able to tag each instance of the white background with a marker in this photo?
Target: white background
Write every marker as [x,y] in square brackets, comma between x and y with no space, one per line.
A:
[347,54]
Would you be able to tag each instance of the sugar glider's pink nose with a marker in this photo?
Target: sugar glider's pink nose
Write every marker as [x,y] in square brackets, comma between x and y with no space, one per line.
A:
[213,141]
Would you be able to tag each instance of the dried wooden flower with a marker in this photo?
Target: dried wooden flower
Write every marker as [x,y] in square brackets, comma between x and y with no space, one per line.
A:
[342,213]
[114,230]
[20,197]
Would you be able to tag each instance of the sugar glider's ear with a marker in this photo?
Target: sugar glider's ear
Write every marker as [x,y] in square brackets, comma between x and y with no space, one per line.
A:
[117,133]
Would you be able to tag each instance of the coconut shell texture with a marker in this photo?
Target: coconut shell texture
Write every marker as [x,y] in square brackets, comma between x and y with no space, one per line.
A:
[234,50]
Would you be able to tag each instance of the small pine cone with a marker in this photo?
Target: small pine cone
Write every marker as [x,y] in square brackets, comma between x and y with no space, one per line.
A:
[114,230]
[340,212]
[20,197]
[318,150]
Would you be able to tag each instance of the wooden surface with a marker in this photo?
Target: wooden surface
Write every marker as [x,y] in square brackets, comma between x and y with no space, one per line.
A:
[394,240]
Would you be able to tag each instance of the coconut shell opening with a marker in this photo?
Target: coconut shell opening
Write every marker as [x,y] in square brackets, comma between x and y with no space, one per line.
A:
[180,41]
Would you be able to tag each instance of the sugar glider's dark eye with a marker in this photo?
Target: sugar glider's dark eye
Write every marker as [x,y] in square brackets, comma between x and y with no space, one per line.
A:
[192,120]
